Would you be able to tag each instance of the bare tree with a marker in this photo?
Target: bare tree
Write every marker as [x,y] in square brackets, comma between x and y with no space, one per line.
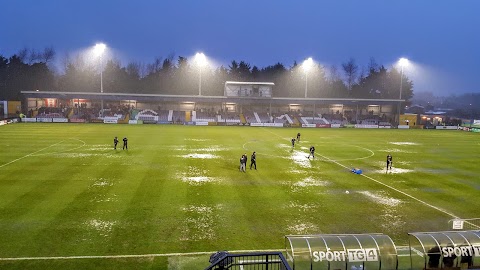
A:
[47,55]
[333,73]
[22,54]
[372,65]
[34,56]
[155,66]
[351,69]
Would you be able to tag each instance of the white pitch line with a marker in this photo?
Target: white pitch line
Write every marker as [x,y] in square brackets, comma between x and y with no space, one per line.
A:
[348,159]
[128,256]
[397,190]
[390,187]
[20,158]
[60,152]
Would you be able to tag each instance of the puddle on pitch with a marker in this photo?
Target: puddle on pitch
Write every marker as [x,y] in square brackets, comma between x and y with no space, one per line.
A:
[301,159]
[200,222]
[197,140]
[392,222]
[284,146]
[99,147]
[199,156]
[303,228]
[396,150]
[213,148]
[101,226]
[302,207]
[102,182]
[393,171]
[198,180]
[311,182]
[404,143]
[104,198]
[195,176]
[380,199]
[305,183]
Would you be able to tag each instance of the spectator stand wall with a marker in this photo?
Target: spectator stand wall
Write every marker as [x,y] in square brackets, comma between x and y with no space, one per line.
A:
[445,250]
[341,252]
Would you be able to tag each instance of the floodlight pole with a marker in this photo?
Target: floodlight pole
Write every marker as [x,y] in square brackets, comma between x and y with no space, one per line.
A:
[101,83]
[307,64]
[306,83]
[200,81]
[400,97]
[201,61]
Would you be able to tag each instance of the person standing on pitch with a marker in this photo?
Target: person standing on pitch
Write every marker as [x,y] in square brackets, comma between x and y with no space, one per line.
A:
[312,152]
[243,162]
[125,143]
[253,161]
[293,142]
[298,137]
[389,162]
[115,142]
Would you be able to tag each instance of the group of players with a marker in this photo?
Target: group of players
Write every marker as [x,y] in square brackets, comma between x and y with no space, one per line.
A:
[253,159]
[312,148]
[125,143]
[243,162]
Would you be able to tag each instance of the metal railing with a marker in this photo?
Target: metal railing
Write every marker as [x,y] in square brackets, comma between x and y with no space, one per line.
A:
[246,261]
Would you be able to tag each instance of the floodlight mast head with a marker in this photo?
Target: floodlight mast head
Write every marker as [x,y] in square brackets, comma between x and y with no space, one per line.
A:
[403,62]
[307,64]
[99,48]
[201,59]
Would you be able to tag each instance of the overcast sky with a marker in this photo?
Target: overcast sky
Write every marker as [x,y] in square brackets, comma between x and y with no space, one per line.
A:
[440,37]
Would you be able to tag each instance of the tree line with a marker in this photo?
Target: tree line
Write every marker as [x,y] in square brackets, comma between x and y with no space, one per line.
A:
[30,70]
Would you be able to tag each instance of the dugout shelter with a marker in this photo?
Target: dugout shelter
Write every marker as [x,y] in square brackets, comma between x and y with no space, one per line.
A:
[341,252]
[445,250]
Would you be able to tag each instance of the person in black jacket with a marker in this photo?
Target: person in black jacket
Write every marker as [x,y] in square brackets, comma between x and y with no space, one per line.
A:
[389,162]
[434,257]
[243,162]
[312,152]
[125,143]
[115,142]
[253,161]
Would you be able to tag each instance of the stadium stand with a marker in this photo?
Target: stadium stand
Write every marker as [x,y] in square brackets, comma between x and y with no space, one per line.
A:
[198,116]
[263,118]
[229,118]
[178,116]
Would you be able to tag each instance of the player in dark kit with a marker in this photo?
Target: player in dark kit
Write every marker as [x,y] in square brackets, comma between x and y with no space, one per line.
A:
[115,142]
[293,142]
[312,152]
[243,162]
[298,137]
[389,162]
[125,143]
[253,161]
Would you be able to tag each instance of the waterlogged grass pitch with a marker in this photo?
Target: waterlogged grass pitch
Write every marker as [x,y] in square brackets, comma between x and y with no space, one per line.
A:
[64,191]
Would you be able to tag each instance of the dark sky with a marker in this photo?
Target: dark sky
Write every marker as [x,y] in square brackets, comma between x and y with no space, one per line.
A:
[440,37]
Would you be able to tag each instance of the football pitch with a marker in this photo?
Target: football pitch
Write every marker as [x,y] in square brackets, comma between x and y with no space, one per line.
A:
[68,200]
